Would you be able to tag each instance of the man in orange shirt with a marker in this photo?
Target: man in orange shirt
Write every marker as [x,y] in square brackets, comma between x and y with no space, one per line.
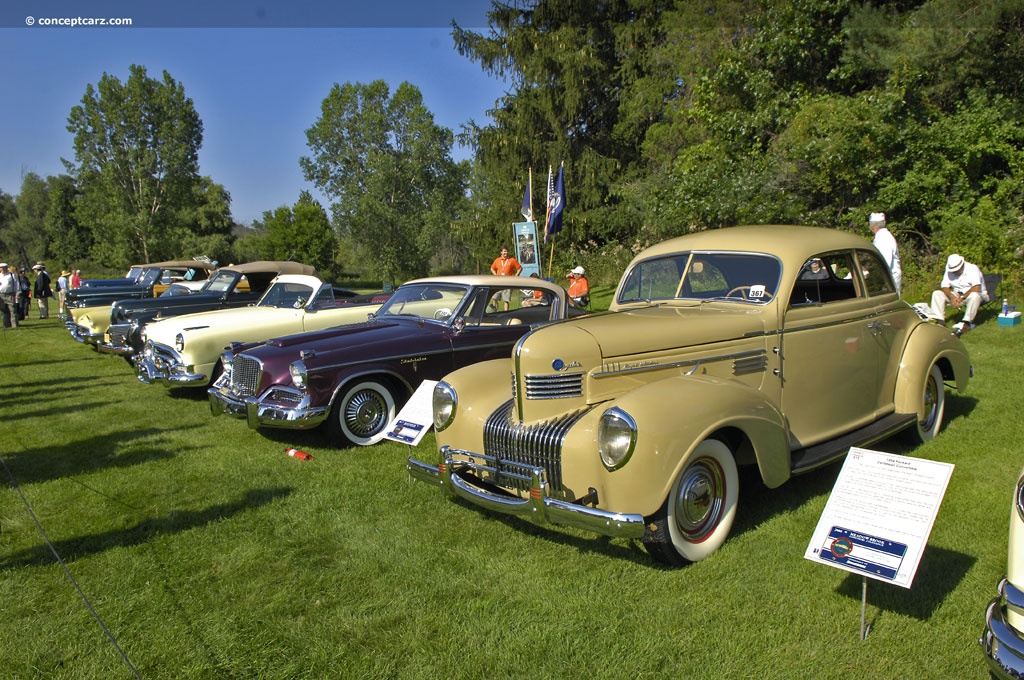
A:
[505,265]
[579,287]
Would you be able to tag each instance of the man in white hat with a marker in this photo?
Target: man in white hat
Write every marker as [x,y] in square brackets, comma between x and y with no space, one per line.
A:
[41,290]
[579,287]
[963,286]
[885,242]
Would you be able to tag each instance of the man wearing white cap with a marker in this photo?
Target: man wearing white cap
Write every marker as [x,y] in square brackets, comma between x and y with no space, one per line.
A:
[962,286]
[885,242]
[579,287]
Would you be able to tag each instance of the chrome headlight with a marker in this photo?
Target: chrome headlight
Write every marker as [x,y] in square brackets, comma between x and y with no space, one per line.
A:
[179,342]
[300,377]
[616,437]
[445,402]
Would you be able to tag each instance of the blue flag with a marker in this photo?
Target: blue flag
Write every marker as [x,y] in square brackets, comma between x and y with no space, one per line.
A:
[527,208]
[556,204]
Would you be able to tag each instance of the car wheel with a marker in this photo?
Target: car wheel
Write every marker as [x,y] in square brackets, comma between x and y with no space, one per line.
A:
[698,514]
[933,405]
[361,413]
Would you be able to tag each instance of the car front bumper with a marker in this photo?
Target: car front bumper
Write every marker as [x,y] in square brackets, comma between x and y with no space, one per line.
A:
[120,341]
[277,407]
[160,363]
[83,334]
[457,477]
[1003,644]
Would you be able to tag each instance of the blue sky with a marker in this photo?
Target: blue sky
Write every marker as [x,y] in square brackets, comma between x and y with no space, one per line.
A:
[257,73]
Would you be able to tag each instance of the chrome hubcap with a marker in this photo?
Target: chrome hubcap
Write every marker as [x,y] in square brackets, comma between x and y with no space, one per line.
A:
[698,501]
[365,413]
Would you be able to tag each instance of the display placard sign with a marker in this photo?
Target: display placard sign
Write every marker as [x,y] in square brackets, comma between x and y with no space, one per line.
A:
[415,418]
[878,518]
[526,247]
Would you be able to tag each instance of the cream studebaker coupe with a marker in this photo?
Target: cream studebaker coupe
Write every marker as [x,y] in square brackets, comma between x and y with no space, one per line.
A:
[1003,638]
[778,347]
[186,350]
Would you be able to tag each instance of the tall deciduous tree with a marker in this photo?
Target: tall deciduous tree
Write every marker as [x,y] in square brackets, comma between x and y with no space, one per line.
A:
[68,240]
[27,238]
[136,148]
[389,170]
[301,233]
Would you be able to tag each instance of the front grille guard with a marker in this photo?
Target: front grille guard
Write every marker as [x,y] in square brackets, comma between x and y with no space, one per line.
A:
[515,449]
[246,373]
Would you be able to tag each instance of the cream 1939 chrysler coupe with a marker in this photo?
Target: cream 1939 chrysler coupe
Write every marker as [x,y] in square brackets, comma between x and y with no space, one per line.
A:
[778,347]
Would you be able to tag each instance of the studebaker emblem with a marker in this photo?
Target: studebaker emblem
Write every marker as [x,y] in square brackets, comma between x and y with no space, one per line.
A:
[413,360]
[560,365]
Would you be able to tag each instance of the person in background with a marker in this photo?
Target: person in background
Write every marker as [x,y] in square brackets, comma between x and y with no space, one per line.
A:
[8,295]
[41,290]
[579,287]
[963,286]
[536,296]
[885,242]
[76,278]
[24,294]
[505,265]
[63,281]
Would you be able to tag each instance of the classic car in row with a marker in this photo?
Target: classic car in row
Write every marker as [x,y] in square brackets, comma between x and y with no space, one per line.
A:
[1003,637]
[186,350]
[356,377]
[236,285]
[778,347]
[89,308]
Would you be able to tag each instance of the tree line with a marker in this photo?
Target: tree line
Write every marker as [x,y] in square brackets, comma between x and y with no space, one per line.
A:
[670,116]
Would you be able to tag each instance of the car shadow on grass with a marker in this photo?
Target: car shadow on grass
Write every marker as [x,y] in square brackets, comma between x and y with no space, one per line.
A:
[34,465]
[173,522]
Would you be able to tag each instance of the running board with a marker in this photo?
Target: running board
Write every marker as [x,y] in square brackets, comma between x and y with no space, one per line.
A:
[805,460]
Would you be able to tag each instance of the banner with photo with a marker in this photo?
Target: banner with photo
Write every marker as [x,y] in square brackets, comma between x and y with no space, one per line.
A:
[527,251]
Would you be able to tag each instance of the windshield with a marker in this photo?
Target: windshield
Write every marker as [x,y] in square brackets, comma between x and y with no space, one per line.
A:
[286,295]
[220,282]
[150,275]
[740,277]
[425,300]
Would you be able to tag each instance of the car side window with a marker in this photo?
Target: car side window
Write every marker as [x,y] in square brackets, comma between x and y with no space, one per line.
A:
[877,276]
[823,279]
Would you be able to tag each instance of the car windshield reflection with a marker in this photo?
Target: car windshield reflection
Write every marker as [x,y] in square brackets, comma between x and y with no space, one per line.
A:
[426,301]
[286,294]
[732,277]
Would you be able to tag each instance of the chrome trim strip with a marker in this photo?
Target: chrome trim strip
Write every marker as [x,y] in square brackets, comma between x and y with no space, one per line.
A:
[679,364]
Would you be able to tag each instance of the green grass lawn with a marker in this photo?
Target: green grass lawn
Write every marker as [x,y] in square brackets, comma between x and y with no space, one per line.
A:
[206,552]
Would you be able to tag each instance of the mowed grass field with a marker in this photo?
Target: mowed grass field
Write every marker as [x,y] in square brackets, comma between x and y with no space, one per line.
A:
[192,547]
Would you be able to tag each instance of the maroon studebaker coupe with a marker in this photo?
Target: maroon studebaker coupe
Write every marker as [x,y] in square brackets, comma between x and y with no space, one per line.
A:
[356,377]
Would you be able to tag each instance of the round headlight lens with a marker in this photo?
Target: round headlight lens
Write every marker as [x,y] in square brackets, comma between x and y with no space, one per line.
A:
[300,377]
[445,401]
[179,342]
[616,437]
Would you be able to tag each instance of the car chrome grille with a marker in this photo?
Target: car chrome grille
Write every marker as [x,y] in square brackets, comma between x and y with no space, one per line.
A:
[245,375]
[514,445]
[558,386]
[119,333]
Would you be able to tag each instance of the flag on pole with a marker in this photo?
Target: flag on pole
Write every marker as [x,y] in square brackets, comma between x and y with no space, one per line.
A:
[527,208]
[556,204]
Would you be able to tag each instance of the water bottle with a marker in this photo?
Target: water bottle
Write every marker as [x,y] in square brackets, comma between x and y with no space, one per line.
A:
[1006,307]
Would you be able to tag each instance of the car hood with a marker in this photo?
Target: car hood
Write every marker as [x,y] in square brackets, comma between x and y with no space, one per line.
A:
[348,340]
[165,330]
[646,330]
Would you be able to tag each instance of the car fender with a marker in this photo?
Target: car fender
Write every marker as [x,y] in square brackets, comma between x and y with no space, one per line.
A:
[928,344]
[479,394]
[327,387]
[673,416]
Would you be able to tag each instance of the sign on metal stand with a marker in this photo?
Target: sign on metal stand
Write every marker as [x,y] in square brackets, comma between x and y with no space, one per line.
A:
[878,518]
